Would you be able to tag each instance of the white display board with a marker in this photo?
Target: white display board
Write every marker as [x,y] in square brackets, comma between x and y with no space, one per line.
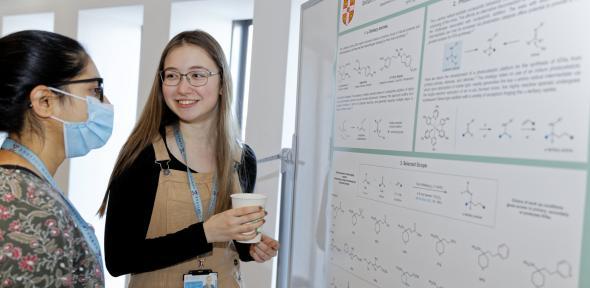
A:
[315,98]
[460,153]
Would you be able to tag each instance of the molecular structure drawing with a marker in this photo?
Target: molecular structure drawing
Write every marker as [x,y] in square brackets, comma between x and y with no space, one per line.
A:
[434,284]
[401,56]
[563,269]
[406,276]
[470,203]
[378,222]
[452,56]
[356,215]
[435,127]
[551,136]
[441,244]
[407,232]
[483,259]
[364,70]
[536,41]
[491,49]
[505,133]
[468,129]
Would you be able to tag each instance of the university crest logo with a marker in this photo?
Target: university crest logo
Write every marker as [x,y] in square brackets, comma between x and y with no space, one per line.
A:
[347,11]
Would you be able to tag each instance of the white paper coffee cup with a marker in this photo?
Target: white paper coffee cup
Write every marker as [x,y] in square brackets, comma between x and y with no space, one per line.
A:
[249,199]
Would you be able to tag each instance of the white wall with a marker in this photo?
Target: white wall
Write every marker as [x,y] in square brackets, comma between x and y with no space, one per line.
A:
[99,30]
[265,111]
[37,21]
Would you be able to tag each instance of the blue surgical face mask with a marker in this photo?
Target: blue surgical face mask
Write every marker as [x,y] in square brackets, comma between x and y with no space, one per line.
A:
[81,137]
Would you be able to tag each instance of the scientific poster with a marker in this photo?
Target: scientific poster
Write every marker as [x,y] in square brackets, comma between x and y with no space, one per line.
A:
[461,144]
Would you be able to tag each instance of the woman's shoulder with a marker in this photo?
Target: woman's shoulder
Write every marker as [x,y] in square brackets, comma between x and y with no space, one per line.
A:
[38,233]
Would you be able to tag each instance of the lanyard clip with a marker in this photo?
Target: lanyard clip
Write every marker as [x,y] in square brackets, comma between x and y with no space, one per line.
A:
[201,263]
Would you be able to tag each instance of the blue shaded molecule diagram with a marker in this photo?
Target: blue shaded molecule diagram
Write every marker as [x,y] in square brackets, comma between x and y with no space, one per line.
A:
[483,259]
[563,269]
[469,203]
[452,56]
[406,277]
[551,136]
[435,127]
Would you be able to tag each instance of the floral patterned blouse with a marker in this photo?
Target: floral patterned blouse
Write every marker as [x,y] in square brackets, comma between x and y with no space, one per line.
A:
[39,244]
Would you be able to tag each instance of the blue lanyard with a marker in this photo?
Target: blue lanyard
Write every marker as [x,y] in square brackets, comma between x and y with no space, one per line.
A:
[191,181]
[84,227]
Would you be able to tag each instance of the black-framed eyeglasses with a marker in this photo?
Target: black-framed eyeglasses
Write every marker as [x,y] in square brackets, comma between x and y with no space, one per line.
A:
[98,91]
[197,77]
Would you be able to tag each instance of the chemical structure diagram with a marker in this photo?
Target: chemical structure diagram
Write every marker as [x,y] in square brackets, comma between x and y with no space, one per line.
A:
[343,131]
[334,284]
[406,277]
[377,129]
[552,135]
[491,49]
[365,184]
[407,232]
[401,56]
[363,70]
[483,259]
[379,185]
[505,133]
[434,284]
[452,56]
[536,41]
[350,253]
[469,203]
[468,129]
[563,269]
[343,72]
[382,187]
[337,209]
[378,222]
[362,130]
[435,127]
[354,215]
[441,243]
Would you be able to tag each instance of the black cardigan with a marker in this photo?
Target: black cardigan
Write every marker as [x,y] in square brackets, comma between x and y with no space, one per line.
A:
[130,205]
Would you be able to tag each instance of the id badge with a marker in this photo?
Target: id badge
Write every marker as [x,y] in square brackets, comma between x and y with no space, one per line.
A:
[204,278]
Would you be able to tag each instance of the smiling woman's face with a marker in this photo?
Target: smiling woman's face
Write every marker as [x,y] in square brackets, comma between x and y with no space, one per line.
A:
[191,104]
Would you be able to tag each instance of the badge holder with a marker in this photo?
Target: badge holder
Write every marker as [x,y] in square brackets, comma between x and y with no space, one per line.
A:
[203,278]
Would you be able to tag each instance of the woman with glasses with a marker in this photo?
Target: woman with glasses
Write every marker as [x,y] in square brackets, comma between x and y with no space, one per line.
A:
[51,108]
[169,193]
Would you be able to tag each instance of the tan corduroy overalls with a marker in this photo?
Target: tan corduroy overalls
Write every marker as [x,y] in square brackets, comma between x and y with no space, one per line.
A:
[174,210]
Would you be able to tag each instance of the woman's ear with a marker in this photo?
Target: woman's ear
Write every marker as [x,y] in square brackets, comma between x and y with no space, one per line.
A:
[42,101]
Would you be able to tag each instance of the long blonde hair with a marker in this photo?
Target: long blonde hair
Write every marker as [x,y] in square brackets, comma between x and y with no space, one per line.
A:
[156,115]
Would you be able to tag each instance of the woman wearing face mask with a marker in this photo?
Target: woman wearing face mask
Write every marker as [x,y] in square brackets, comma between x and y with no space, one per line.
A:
[169,194]
[52,107]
